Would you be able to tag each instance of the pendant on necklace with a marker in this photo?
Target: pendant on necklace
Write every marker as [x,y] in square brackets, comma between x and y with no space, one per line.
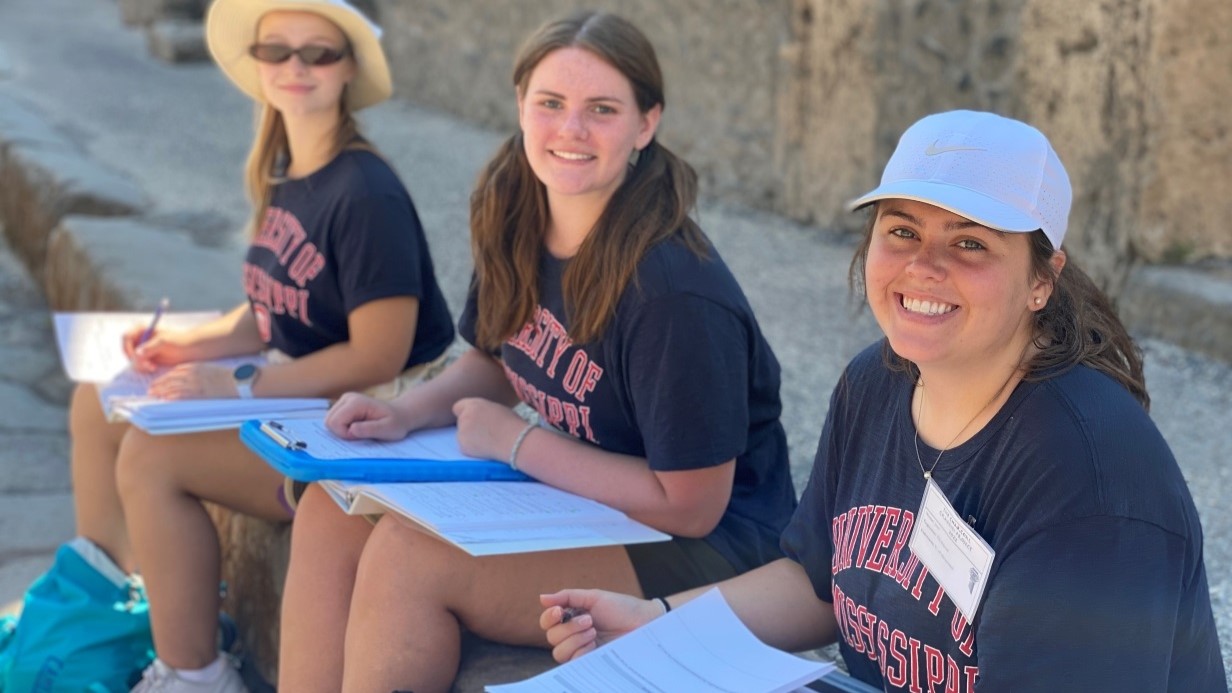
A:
[928,475]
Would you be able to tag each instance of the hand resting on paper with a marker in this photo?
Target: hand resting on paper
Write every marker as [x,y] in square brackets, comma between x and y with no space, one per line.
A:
[605,616]
[357,417]
[195,381]
[486,429]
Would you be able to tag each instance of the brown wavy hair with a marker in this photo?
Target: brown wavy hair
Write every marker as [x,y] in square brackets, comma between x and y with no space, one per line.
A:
[1078,325]
[509,207]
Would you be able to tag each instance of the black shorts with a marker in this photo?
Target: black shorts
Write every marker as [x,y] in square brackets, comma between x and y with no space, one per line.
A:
[668,567]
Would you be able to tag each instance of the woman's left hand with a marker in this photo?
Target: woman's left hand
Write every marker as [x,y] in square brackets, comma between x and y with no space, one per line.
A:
[194,381]
[486,429]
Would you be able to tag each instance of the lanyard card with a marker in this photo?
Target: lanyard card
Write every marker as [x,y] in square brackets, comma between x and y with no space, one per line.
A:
[955,554]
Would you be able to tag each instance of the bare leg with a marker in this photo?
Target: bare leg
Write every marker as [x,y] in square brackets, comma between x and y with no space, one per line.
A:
[162,481]
[95,444]
[326,544]
[414,593]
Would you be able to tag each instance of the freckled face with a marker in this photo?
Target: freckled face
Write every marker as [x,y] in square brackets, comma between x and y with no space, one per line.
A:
[947,291]
[580,123]
[292,87]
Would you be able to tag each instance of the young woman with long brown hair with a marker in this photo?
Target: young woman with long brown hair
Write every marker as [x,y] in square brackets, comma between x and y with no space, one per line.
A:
[598,302]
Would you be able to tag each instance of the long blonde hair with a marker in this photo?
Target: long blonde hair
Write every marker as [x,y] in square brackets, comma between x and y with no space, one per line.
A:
[509,209]
[270,153]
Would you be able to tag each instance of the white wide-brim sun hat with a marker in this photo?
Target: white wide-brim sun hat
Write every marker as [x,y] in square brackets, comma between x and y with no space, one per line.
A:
[231,28]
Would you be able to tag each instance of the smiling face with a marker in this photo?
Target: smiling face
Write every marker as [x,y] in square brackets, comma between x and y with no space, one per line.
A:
[292,87]
[580,124]
[948,292]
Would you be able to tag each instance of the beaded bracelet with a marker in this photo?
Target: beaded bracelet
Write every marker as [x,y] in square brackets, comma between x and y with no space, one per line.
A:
[517,443]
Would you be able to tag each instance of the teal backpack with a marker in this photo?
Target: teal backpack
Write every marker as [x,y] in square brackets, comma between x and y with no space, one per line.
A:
[84,626]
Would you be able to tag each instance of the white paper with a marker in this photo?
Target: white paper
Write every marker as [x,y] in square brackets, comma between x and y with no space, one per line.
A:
[128,390]
[91,344]
[955,554]
[162,417]
[437,444]
[700,647]
[486,518]
[458,507]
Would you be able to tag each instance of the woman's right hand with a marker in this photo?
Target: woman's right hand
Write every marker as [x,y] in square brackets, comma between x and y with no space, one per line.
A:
[355,416]
[599,616]
[163,348]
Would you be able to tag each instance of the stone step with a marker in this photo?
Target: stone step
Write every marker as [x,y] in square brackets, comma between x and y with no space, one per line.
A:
[1190,306]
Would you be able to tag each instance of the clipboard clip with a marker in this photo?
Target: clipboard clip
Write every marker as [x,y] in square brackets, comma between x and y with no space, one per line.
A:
[279,433]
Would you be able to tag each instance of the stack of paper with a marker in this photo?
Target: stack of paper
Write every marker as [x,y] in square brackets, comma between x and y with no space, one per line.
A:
[161,417]
[485,518]
[91,351]
[700,647]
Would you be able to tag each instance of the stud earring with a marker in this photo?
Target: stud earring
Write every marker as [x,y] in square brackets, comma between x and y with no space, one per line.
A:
[1037,300]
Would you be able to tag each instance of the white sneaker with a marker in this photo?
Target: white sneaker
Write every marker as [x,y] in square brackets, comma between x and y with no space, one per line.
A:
[160,678]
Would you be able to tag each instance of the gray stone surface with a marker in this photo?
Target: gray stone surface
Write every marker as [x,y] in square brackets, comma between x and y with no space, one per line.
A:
[1191,306]
[144,12]
[26,412]
[84,185]
[126,262]
[20,123]
[34,523]
[177,40]
[35,462]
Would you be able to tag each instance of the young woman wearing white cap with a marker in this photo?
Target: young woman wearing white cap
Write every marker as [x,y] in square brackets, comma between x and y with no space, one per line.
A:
[598,301]
[991,508]
[341,294]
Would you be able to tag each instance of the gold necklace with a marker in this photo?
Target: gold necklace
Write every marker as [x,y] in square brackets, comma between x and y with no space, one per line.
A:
[928,473]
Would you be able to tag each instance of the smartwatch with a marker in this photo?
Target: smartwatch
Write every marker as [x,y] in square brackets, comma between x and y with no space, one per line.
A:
[245,376]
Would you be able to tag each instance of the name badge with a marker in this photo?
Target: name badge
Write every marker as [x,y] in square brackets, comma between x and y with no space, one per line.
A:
[956,556]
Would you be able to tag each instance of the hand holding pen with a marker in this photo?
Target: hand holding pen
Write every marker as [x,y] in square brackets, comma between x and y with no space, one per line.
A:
[137,341]
[578,621]
[158,315]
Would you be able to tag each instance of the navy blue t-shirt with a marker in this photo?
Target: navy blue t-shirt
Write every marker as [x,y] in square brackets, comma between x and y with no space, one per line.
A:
[333,241]
[681,376]
[1098,582]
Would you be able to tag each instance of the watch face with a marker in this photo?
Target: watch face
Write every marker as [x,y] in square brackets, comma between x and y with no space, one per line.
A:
[244,372]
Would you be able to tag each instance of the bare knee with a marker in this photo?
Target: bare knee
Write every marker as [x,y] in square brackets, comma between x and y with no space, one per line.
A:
[322,527]
[144,462]
[397,554]
[87,423]
[85,409]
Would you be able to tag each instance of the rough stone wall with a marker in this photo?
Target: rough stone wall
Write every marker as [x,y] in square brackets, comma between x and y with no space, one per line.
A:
[794,105]
[720,60]
[1186,205]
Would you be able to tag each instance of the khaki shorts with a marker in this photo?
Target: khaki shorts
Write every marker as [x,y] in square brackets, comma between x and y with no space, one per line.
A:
[292,490]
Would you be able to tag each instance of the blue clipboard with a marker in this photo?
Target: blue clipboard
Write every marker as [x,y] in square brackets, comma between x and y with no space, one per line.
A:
[300,465]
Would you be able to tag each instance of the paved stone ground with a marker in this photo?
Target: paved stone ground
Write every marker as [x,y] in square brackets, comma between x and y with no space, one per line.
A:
[35,502]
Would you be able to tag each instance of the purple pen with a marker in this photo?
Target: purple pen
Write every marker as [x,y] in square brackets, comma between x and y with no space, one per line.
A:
[158,314]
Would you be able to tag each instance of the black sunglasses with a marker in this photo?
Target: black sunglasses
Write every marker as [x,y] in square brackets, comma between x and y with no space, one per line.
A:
[317,56]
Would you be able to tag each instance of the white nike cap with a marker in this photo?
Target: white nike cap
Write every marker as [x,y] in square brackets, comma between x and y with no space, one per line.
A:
[993,170]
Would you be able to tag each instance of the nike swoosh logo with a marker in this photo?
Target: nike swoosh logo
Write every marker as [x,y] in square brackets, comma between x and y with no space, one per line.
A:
[934,150]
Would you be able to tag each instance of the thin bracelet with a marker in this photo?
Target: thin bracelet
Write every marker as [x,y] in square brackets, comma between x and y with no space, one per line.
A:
[667,608]
[517,444]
